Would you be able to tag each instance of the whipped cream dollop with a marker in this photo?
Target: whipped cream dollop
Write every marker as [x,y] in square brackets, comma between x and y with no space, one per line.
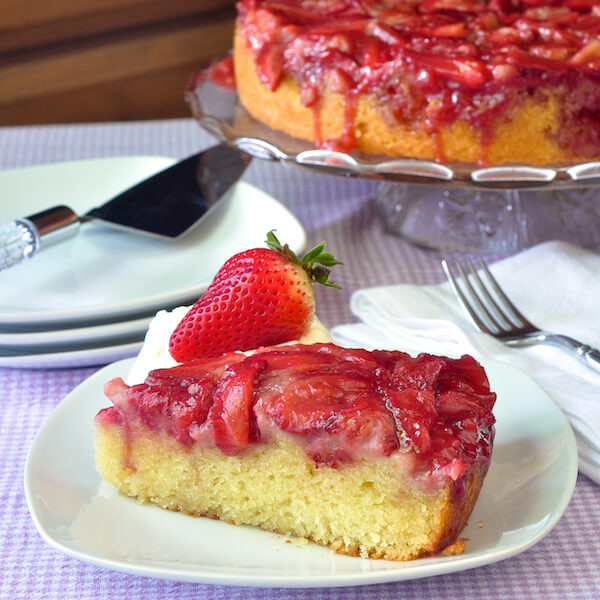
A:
[155,351]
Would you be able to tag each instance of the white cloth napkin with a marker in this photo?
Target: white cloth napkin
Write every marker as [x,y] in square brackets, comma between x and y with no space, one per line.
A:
[556,285]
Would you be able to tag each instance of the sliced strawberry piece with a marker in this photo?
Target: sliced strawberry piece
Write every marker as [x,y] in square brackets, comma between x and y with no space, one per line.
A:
[413,411]
[591,51]
[442,5]
[580,4]
[550,14]
[304,14]
[552,52]
[340,27]
[190,407]
[337,409]
[219,72]
[386,34]
[315,400]
[468,433]
[504,74]
[468,376]
[194,369]
[371,51]
[445,446]
[505,36]
[504,6]
[455,405]
[337,81]
[455,469]
[421,372]
[269,63]
[262,27]
[465,70]
[117,391]
[230,417]
[172,401]
[523,59]
[488,21]
[294,357]
[456,30]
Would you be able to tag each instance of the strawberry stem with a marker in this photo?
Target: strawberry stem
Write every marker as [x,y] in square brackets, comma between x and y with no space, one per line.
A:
[314,262]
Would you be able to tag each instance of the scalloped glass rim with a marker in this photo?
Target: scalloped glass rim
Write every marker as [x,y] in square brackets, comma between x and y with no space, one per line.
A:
[217,110]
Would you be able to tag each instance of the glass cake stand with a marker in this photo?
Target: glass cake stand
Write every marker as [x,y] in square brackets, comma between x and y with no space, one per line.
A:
[449,207]
[497,221]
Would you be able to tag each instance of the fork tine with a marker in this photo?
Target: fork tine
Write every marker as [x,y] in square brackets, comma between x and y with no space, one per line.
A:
[477,298]
[501,320]
[477,321]
[509,307]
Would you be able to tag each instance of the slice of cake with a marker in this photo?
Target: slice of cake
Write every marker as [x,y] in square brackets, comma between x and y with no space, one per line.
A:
[375,454]
[475,81]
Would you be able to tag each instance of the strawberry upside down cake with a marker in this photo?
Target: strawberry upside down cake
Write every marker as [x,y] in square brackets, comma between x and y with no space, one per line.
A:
[494,81]
[376,454]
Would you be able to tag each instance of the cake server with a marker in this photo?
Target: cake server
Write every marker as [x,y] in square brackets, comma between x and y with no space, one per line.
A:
[167,204]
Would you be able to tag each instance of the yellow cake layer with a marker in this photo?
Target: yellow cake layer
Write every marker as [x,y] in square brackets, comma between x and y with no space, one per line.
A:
[367,509]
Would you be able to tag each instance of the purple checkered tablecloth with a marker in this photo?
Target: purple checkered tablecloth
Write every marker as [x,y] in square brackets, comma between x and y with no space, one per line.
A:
[563,565]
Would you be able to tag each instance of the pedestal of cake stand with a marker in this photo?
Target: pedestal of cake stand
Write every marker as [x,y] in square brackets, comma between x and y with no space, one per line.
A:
[489,221]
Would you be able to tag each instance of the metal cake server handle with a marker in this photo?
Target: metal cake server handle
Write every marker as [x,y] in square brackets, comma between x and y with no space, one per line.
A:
[21,239]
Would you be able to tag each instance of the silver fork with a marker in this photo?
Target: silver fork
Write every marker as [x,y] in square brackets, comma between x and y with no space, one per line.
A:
[492,312]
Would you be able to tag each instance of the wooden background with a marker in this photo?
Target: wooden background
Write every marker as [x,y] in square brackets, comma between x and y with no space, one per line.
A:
[105,60]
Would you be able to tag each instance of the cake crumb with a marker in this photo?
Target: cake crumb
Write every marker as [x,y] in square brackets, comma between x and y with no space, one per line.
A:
[456,548]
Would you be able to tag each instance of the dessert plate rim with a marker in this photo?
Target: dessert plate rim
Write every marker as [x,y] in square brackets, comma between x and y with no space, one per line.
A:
[86,280]
[72,357]
[64,494]
[38,338]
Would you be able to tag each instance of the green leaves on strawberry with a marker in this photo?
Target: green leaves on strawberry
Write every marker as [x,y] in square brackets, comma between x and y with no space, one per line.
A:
[259,297]
[314,262]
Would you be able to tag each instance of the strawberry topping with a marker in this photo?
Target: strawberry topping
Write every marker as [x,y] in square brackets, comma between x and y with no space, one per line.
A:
[435,60]
[341,405]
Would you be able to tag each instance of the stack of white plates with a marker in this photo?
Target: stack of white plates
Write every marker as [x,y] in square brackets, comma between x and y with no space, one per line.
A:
[88,300]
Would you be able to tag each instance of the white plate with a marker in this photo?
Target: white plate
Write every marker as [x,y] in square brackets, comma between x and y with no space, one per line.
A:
[107,273]
[71,357]
[529,484]
[98,334]
[75,347]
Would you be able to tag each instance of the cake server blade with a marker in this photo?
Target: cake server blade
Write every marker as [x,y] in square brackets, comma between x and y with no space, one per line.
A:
[167,204]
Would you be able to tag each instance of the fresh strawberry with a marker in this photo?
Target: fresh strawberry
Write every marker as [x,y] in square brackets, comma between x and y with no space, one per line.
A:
[259,297]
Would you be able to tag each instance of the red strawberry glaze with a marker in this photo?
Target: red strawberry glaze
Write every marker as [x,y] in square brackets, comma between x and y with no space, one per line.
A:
[448,60]
[341,405]
[219,72]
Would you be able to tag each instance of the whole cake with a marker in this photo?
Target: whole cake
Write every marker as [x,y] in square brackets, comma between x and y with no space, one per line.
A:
[492,82]
[376,454]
